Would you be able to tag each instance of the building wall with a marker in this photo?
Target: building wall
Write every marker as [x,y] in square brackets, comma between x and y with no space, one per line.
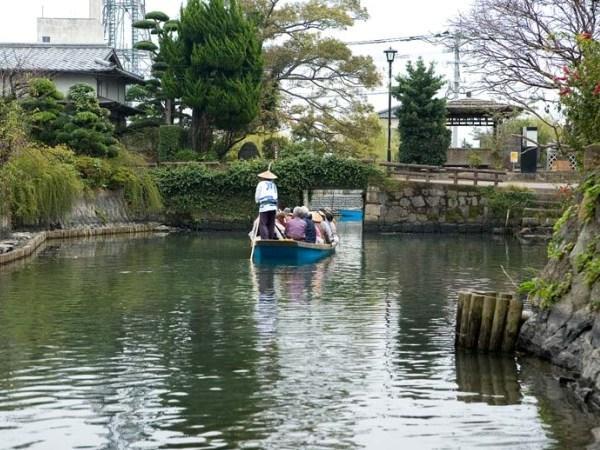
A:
[111,89]
[96,9]
[70,31]
[65,81]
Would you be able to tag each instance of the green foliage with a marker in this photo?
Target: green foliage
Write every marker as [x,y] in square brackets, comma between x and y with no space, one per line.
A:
[148,99]
[12,133]
[545,293]
[43,107]
[588,262]
[157,16]
[421,117]
[148,46]
[186,155]
[40,187]
[503,201]
[215,66]
[474,158]
[580,94]
[170,140]
[273,145]
[564,218]
[591,196]
[139,188]
[85,126]
[194,190]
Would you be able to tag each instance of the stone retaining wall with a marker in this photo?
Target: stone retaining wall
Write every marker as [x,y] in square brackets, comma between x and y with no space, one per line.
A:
[37,239]
[4,225]
[417,207]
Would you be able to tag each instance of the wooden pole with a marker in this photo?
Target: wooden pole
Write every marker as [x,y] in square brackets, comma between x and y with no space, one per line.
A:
[474,320]
[464,320]
[497,333]
[254,234]
[459,310]
[487,319]
[513,322]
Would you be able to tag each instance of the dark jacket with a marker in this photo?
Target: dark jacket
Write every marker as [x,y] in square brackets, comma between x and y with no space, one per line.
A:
[311,232]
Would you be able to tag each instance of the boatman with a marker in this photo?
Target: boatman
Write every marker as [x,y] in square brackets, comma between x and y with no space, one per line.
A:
[266,197]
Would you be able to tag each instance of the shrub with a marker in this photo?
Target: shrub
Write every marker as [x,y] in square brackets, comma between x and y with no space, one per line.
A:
[170,139]
[272,146]
[186,155]
[504,202]
[195,190]
[41,188]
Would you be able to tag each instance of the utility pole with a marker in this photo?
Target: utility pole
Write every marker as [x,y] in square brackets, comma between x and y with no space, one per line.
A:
[455,90]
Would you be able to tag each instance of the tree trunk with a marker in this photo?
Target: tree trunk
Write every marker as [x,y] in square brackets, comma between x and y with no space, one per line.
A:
[169,111]
[202,133]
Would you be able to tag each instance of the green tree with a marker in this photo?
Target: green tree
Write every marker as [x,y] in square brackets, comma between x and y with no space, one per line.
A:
[422,117]
[211,59]
[84,126]
[580,94]
[42,105]
[309,73]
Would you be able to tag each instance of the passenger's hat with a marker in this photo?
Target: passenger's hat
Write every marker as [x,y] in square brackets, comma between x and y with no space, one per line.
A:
[316,217]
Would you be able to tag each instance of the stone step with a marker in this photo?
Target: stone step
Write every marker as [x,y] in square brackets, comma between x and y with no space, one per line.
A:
[542,212]
[554,204]
[538,221]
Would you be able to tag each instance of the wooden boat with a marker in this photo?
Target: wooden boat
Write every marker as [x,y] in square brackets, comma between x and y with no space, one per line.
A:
[288,251]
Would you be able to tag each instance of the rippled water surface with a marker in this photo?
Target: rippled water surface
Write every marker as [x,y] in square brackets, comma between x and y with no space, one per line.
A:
[179,342]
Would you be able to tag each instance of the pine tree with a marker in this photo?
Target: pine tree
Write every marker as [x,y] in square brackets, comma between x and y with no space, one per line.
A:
[214,63]
[84,126]
[43,106]
[422,117]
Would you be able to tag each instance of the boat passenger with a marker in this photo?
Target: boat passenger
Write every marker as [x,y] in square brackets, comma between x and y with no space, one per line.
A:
[311,230]
[295,228]
[325,228]
[318,221]
[280,221]
[266,197]
[332,224]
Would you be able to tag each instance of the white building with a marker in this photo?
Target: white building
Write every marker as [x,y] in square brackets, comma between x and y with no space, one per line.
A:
[73,30]
[67,65]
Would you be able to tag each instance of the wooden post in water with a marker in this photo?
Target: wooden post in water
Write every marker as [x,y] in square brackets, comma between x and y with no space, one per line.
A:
[500,311]
[487,319]
[464,320]
[513,322]
[474,320]
[459,311]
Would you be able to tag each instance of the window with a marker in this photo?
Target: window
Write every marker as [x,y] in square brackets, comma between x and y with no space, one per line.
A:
[46,39]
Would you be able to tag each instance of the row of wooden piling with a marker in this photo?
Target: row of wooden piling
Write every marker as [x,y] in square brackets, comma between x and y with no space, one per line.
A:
[488,321]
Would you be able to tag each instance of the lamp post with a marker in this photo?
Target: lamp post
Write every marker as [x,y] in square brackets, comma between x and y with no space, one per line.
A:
[390,54]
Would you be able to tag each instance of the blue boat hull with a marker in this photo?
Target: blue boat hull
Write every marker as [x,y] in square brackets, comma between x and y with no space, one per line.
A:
[290,252]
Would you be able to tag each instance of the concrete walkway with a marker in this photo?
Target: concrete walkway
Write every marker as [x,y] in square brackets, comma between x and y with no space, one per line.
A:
[535,185]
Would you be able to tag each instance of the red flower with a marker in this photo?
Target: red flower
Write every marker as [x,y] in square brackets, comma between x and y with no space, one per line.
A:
[596,90]
[565,91]
[585,36]
[566,70]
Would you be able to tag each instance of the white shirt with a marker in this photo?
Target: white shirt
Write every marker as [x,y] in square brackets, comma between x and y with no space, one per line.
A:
[266,196]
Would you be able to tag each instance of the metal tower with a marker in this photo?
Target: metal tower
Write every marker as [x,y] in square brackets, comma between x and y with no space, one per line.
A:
[117,18]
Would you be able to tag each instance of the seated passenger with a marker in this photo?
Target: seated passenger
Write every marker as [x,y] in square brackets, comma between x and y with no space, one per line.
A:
[280,225]
[331,220]
[318,221]
[296,227]
[326,228]
[311,229]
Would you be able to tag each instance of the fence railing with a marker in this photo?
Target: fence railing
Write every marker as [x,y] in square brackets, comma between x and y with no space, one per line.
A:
[455,174]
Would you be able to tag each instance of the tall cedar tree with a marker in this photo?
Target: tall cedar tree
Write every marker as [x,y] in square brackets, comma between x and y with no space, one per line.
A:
[84,126]
[422,117]
[214,64]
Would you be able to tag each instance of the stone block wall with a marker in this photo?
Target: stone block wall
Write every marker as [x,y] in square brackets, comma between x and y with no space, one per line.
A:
[335,199]
[417,207]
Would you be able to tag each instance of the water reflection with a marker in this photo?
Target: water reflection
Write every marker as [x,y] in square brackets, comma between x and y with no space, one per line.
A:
[488,378]
[180,342]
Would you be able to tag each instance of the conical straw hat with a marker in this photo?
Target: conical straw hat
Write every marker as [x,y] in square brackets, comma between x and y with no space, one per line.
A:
[267,175]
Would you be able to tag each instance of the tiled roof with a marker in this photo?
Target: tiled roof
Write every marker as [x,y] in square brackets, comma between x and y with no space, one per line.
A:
[60,58]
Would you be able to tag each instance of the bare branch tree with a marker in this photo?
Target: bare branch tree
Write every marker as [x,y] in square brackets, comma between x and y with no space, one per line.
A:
[517,48]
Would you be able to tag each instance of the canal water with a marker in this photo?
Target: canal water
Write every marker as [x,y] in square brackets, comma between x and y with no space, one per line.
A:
[179,342]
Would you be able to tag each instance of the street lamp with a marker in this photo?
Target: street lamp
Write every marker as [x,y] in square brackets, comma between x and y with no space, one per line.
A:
[390,54]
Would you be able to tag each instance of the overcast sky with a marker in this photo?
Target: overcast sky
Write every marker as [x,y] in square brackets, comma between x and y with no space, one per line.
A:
[389,19]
